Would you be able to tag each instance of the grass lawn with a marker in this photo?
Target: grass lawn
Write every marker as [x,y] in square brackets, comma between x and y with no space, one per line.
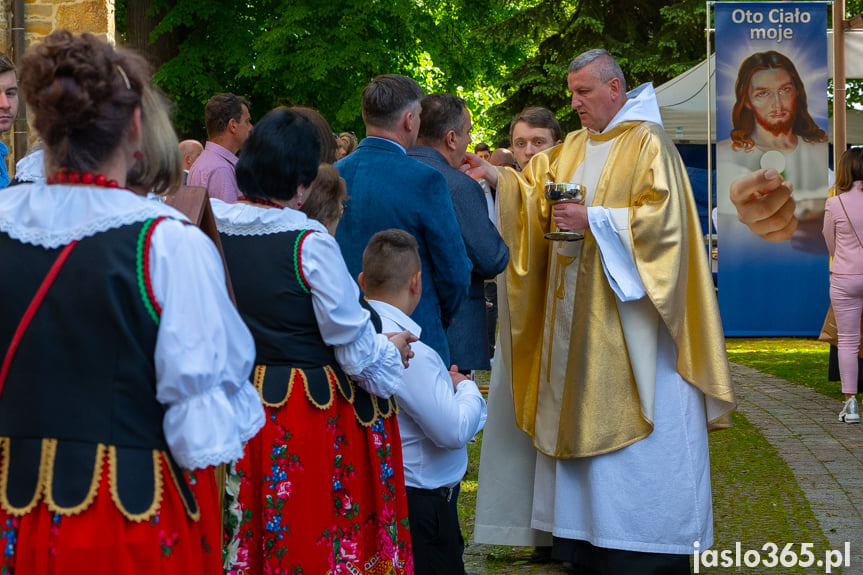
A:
[801,360]
[755,496]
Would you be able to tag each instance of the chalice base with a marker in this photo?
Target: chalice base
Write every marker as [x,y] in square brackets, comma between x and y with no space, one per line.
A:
[561,236]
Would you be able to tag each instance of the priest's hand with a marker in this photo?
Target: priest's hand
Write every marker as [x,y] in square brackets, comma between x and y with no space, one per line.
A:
[477,168]
[403,342]
[569,215]
[764,203]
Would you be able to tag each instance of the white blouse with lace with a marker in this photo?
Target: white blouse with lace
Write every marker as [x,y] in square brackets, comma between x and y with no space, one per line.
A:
[368,357]
[204,352]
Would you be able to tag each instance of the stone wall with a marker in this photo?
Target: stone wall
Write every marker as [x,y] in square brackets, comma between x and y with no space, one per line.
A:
[43,16]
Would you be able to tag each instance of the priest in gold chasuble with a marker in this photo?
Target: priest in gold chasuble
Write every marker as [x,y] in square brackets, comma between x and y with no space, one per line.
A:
[618,365]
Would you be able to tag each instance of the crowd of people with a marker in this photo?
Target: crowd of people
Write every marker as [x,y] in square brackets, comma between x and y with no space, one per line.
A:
[294,394]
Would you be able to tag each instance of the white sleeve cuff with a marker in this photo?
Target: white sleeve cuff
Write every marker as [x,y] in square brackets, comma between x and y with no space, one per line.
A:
[204,352]
[210,428]
[610,227]
[381,372]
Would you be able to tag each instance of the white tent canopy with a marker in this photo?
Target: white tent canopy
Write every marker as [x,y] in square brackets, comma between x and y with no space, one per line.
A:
[683,99]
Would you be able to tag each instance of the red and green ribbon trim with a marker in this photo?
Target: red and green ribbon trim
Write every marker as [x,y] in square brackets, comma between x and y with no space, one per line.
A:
[142,265]
[298,260]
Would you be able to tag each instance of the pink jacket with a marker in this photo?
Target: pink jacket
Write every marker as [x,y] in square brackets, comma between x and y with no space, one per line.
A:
[841,240]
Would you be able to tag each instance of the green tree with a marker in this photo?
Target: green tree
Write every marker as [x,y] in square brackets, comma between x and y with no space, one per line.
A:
[853,87]
[499,55]
[653,41]
[321,54]
[213,48]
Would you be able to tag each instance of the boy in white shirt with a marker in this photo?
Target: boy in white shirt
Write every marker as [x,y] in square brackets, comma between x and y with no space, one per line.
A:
[440,410]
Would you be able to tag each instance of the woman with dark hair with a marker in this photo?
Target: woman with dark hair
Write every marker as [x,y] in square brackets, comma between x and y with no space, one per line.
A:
[125,377]
[321,488]
[843,232]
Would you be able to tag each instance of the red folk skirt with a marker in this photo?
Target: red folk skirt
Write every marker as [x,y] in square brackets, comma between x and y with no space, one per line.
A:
[101,540]
[320,493]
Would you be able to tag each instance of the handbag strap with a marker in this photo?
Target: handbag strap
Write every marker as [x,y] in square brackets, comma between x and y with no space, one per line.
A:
[849,221]
[31,310]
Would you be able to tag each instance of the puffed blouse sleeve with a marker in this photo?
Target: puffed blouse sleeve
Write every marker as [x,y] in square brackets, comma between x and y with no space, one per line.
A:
[371,360]
[204,352]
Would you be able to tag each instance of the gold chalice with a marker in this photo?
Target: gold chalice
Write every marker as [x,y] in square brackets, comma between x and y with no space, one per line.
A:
[564,191]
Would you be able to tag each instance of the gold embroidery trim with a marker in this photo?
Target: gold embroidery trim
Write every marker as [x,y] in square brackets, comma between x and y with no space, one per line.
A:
[259,375]
[258,379]
[157,482]
[51,450]
[374,403]
[350,386]
[330,383]
[44,484]
[388,404]
[193,515]
[4,479]
[393,406]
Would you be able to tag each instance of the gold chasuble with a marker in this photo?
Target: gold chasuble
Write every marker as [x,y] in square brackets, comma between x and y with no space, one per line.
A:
[596,407]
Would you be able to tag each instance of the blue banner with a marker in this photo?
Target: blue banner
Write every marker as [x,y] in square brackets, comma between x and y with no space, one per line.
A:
[771,112]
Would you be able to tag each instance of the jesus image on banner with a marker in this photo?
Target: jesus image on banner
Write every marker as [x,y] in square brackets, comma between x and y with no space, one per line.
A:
[772,175]
[772,128]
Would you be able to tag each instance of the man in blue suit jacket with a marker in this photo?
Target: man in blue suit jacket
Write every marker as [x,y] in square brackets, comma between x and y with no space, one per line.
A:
[387,189]
[442,141]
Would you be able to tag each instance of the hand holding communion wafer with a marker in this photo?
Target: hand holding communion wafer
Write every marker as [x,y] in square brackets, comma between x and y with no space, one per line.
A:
[763,200]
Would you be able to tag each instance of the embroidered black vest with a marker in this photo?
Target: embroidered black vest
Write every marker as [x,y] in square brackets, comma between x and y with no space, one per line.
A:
[275,301]
[81,386]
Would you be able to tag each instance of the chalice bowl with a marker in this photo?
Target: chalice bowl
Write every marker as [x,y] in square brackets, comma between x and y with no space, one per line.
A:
[564,191]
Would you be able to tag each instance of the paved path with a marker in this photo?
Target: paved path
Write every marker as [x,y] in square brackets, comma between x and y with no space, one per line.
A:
[826,457]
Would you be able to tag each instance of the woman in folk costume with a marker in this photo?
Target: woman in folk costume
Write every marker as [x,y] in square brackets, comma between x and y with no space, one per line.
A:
[125,366]
[321,488]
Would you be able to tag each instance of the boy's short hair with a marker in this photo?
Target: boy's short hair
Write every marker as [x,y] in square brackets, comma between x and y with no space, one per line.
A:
[390,259]
[537,117]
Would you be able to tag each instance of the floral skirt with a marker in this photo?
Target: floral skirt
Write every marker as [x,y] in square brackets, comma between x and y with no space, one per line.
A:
[320,494]
[100,540]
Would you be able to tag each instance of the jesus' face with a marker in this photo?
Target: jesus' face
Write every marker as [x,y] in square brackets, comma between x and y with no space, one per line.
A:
[773,99]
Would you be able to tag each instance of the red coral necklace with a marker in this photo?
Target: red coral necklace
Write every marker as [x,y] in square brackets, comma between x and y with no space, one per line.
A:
[88,178]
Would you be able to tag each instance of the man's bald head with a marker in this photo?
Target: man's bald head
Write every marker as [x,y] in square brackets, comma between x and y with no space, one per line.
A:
[190,150]
[502,157]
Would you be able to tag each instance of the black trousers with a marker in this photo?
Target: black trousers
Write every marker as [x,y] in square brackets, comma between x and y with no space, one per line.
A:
[435,535]
[590,560]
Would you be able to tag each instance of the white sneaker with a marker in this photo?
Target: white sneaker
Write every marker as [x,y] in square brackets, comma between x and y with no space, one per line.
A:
[850,413]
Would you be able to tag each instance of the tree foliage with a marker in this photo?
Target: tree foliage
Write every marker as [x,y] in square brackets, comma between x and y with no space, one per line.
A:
[322,54]
[653,41]
[499,55]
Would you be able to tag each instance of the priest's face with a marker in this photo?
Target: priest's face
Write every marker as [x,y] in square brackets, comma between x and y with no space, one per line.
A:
[595,101]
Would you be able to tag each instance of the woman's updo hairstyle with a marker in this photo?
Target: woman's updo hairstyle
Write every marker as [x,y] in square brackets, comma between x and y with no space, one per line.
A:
[281,153]
[82,93]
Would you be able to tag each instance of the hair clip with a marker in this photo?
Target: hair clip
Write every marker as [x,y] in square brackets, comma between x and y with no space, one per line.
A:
[125,77]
